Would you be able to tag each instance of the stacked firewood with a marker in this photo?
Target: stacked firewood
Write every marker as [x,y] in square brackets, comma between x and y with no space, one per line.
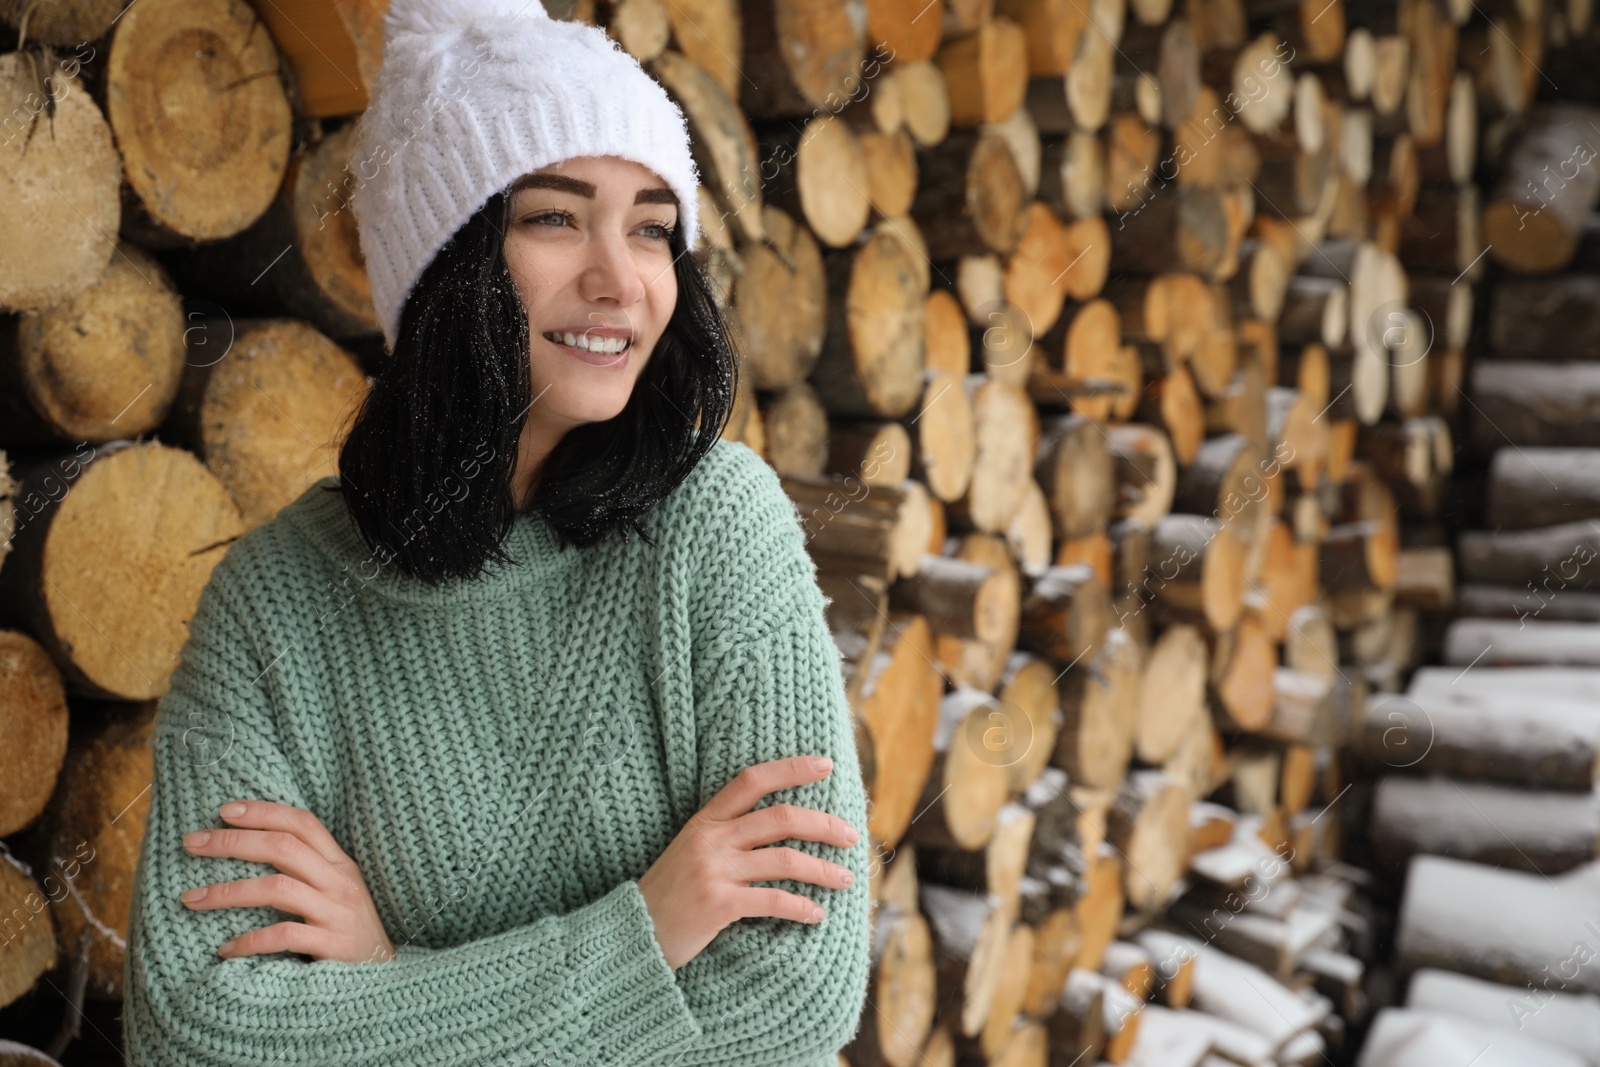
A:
[1113,354]
[1497,837]
[1272,352]
[139,445]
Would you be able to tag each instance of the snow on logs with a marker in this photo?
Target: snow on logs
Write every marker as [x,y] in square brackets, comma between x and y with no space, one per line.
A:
[1530,739]
[1407,1037]
[1502,925]
[1549,184]
[1570,1020]
[1541,831]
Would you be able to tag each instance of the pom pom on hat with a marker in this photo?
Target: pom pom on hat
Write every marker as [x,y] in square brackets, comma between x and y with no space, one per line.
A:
[474,94]
[437,16]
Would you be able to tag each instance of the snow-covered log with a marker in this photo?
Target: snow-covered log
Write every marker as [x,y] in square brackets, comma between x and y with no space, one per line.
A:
[1499,825]
[1404,1037]
[1502,925]
[1571,1020]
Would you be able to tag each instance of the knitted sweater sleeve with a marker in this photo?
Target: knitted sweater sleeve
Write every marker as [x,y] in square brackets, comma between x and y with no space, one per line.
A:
[770,991]
[590,986]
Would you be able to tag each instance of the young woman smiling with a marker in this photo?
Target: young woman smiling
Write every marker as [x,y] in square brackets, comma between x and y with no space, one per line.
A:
[522,739]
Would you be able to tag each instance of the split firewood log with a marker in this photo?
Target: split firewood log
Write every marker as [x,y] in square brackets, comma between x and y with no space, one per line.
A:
[115,632]
[94,828]
[35,725]
[971,934]
[1099,702]
[59,181]
[301,257]
[268,412]
[781,301]
[903,990]
[101,365]
[1238,992]
[32,951]
[1149,824]
[997,867]
[873,355]
[968,785]
[205,155]
[1533,224]
[900,703]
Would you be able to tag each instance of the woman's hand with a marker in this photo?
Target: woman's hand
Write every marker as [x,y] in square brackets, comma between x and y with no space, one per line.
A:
[701,883]
[318,882]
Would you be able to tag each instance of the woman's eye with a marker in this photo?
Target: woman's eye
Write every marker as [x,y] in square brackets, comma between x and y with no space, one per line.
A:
[663,231]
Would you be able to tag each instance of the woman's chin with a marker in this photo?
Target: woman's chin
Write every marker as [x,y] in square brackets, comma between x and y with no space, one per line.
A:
[577,403]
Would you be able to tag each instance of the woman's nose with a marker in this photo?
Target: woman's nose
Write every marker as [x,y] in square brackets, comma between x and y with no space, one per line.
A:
[612,271]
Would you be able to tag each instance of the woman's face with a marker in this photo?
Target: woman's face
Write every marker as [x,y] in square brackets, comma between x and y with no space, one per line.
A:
[587,245]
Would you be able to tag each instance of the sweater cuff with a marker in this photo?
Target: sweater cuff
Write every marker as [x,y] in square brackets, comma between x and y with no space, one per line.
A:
[624,982]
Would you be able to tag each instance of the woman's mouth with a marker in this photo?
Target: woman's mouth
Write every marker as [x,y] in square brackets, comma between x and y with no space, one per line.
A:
[590,348]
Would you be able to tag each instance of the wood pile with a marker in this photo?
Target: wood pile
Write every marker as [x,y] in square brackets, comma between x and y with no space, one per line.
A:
[1113,353]
[1483,788]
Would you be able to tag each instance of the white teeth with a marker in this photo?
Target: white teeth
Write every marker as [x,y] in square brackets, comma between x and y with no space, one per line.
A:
[603,345]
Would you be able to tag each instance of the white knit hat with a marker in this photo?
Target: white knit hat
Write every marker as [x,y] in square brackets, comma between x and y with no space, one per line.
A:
[472,95]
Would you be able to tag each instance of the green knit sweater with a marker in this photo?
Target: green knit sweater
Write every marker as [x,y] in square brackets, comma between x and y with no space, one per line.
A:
[503,759]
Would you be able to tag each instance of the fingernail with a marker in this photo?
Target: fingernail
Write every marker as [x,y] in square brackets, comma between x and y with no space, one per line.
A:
[816,915]
[193,895]
[821,763]
[226,949]
[232,811]
[854,835]
[848,878]
[197,839]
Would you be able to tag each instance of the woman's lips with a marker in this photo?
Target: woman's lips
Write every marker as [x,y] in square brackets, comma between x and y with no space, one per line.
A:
[595,359]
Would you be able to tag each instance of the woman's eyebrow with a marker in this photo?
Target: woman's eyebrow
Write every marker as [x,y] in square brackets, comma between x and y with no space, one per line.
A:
[563,183]
[659,195]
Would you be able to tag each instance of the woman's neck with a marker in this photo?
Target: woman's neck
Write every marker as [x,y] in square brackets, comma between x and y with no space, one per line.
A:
[533,447]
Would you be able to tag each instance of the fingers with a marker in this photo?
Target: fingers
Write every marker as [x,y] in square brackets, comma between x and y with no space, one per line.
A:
[268,815]
[757,780]
[771,864]
[279,937]
[274,890]
[783,821]
[276,834]
[306,940]
[754,903]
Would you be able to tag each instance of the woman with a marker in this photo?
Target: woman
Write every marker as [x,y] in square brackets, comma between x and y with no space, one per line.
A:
[509,727]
